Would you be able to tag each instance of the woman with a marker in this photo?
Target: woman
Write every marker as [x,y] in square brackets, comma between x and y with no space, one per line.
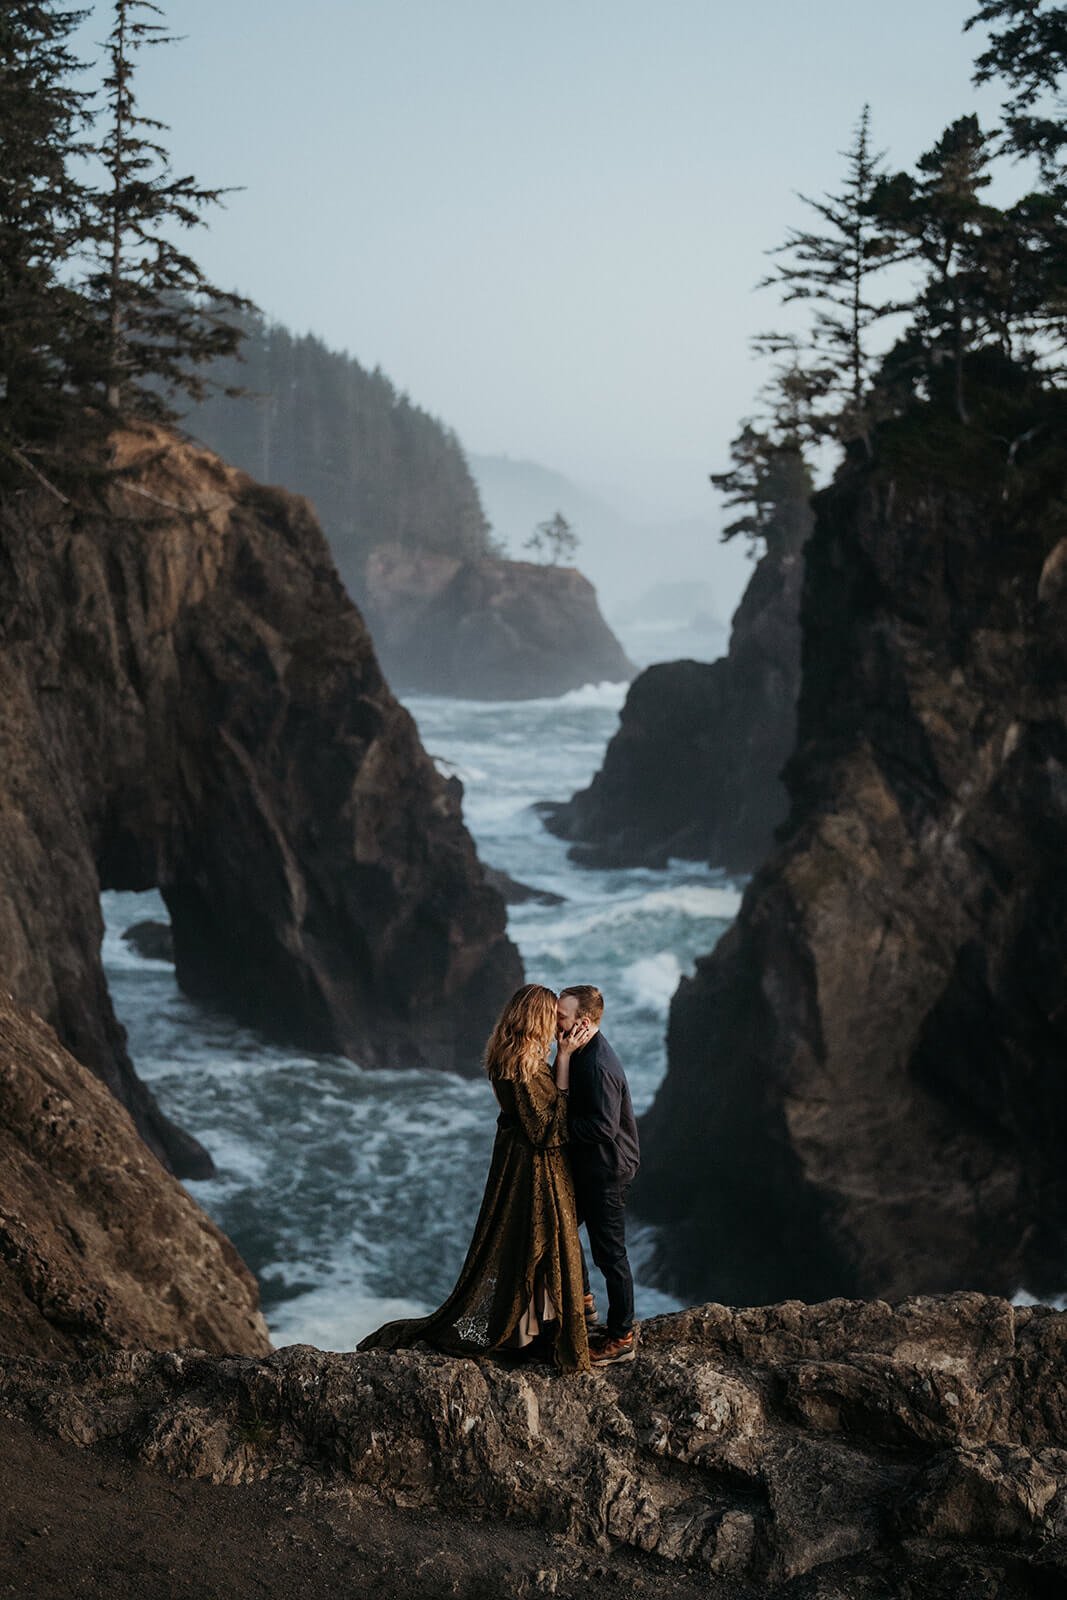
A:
[522,1279]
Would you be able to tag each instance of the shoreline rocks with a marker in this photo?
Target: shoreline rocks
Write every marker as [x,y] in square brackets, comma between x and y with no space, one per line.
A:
[722,731]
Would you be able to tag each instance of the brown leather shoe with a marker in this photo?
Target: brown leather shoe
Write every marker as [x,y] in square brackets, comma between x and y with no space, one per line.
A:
[607,1352]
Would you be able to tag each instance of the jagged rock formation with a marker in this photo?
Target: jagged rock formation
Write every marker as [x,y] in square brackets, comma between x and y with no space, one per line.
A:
[693,770]
[99,1247]
[188,700]
[837,1450]
[487,629]
[866,1089]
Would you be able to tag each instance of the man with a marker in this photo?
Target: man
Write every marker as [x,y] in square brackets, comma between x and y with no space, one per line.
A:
[604,1158]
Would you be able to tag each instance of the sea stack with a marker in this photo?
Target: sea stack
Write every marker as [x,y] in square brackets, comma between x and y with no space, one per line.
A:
[486,628]
[721,729]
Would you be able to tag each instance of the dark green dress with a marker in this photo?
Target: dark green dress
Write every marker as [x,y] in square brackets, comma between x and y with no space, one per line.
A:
[524,1267]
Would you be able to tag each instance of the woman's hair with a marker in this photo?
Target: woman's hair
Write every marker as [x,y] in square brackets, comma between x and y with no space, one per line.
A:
[519,1043]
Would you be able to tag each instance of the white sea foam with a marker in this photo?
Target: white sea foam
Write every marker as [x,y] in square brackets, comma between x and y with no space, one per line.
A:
[696,901]
[336,1318]
[606,695]
[652,981]
[1022,1297]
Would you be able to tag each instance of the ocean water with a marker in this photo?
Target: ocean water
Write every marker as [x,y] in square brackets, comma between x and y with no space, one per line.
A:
[352,1193]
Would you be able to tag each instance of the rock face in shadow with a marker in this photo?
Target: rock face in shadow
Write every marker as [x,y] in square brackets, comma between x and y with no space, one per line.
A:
[866,1088]
[188,700]
[486,629]
[693,770]
[834,1450]
[99,1247]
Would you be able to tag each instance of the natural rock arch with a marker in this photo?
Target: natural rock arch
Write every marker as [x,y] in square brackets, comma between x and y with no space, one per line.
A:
[189,701]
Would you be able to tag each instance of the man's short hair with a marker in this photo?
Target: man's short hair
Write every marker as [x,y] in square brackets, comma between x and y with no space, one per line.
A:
[590,1000]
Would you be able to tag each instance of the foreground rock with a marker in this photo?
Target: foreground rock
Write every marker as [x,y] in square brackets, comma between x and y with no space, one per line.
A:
[191,702]
[99,1247]
[486,629]
[693,770]
[866,1087]
[838,1450]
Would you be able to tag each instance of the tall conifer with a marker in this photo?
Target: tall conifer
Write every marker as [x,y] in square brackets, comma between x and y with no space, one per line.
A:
[158,318]
[43,218]
[770,481]
[832,265]
[940,219]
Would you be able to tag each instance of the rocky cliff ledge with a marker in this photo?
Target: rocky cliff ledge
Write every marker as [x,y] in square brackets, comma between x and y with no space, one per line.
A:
[866,1089]
[99,1247]
[693,770]
[487,629]
[188,700]
[829,1452]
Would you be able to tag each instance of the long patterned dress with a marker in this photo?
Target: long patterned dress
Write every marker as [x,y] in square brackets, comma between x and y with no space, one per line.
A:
[523,1269]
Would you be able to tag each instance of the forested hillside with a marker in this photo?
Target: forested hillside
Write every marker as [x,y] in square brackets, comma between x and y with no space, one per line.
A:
[378,468]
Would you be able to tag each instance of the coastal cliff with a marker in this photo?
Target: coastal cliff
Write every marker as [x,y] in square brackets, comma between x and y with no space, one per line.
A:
[190,701]
[487,629]
[99,1247]
[721,729]
[865,1088]
[818,1452]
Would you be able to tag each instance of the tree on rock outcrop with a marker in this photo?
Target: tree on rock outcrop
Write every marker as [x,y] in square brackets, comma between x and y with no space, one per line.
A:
[939,218]
[554,540]
[992,278]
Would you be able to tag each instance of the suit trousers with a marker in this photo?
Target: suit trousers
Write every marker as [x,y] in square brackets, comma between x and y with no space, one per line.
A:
[601,1206]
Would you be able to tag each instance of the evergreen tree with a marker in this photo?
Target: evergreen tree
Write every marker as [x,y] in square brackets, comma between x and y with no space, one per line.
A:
[832,266]
[939,219]
[1028,51]
[158,319]
[772,481]
[554,538]
[43,218]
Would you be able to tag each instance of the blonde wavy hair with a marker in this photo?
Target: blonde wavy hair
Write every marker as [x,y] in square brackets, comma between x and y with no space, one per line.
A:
[519,1044]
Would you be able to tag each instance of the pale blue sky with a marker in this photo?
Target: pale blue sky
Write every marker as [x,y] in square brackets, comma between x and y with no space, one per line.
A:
[543,221]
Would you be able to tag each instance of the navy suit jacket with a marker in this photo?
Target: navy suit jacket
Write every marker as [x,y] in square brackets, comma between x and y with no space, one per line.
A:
[600,1116]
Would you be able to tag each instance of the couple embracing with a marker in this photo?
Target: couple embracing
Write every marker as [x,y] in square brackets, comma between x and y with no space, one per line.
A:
[565,1153]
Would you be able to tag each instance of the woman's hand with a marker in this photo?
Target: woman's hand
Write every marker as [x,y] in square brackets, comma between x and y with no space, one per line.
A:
[580,1033]
[566,1044]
